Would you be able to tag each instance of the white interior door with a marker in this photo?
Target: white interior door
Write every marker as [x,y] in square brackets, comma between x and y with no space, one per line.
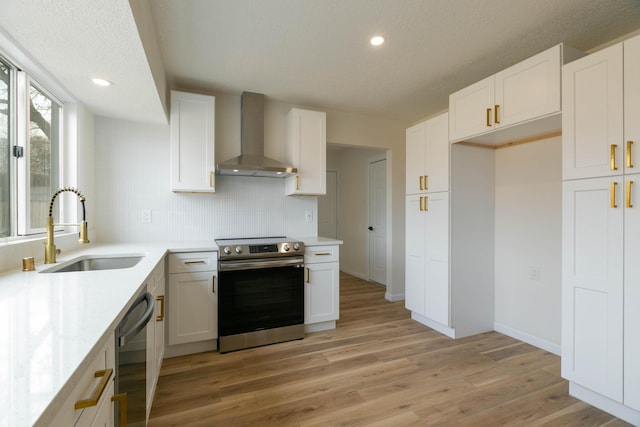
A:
[378,221]
[328,208]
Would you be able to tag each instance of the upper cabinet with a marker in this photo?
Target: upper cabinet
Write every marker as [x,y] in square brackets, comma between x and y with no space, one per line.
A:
[192,142]
[427,166]
[526,93]
[307,151]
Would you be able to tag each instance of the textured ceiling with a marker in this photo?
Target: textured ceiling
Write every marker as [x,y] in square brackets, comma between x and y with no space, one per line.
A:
[305,52]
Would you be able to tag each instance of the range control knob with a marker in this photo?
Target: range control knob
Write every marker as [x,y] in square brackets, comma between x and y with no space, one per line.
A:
[296,247]
[227,250]
[238,249]
[286,247]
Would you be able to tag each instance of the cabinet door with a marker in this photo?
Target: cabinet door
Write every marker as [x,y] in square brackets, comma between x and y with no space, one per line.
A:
[436,206]
[529,89]
[592,115]
[416,139]
[192,144]
[105,414]
[159,321]
[193,307]
[592,287]
[307,151]
[632,105]
[471,110]
[321,299]
[437,154]
[415,227]
[632,292]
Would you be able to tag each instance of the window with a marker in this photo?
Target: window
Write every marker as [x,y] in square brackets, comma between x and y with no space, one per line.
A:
[30,134]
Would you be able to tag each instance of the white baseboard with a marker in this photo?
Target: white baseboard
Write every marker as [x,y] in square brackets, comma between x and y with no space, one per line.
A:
[445,330]
[528,338]
[354,273]
[190,348]
[318,327]
[393,297]
[599,401]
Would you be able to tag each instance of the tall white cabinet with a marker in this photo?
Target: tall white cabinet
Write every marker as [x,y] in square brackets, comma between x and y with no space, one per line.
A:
[601,229]
[307,151]
[449,231]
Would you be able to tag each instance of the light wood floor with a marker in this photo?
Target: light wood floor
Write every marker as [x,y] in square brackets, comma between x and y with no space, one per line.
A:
[378,368]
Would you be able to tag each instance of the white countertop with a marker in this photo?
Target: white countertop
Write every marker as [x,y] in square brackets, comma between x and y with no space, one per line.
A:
[50,323]
[317,241]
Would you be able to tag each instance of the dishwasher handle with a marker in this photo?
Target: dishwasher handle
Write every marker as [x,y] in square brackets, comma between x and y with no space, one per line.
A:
[142,322]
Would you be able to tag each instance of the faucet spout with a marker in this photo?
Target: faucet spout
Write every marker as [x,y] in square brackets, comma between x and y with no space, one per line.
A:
[50,250]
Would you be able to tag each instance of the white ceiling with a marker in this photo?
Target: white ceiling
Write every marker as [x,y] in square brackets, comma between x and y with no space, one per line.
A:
[304,52]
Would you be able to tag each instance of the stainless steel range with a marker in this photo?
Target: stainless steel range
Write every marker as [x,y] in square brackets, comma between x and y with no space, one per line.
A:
[260,292]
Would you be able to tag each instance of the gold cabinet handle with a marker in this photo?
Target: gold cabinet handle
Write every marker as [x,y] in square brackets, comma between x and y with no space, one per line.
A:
[628,202]
[323,254]
[97,392]
[421,182]
[426,180]
[297,182]
[122,400]
[613,194]
[426,199]
[421,203]
[496,114]
[308,275]
[160,317]
[488,117]
[211,179]
[629,164]
[194,262]
[213,284]
[613,157]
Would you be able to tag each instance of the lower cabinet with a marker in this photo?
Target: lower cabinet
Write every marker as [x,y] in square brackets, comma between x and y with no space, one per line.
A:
[90,403]
[322,287]
[155,333]
[193,301]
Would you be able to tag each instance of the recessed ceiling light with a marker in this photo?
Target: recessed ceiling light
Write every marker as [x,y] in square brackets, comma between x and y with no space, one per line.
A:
[101,82]
[377,40]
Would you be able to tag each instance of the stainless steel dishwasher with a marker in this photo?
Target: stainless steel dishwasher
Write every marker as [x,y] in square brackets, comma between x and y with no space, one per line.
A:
[131,360]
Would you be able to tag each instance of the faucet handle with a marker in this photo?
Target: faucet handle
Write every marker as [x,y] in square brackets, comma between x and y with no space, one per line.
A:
[84,233]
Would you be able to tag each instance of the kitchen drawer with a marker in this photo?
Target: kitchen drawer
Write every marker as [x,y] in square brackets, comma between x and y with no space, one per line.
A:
[193,261]
[89,381]
[316,254]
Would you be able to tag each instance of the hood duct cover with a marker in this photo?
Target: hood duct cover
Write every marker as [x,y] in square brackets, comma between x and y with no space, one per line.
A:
[251,161]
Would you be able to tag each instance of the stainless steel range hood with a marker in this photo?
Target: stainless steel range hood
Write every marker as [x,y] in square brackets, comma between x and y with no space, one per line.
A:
[251,161]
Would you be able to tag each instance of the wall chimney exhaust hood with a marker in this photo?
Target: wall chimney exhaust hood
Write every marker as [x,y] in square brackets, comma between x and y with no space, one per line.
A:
[251,161]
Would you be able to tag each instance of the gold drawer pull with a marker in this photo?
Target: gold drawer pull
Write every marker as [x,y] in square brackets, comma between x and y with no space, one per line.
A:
[323,253]
[160,317]
[308,275]
[613,157]
[194,262]
[122,400]
[488,117]
[613,194]
[629,164]
[496,114]
[629,205]
[97,392]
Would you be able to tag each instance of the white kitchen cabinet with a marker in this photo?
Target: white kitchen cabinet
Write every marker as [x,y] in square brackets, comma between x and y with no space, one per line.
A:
[524,92]
[592,118]
[427,154]
[307,151]
[192,142]
[98,377]
[442,234]
[601,230]
[322,287]
[155,333]
[193,300]
[427,256]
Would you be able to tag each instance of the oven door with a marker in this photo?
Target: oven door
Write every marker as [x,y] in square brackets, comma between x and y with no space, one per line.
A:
[254,295]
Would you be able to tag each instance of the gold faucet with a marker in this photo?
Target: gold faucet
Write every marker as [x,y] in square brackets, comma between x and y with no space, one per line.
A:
[50,250]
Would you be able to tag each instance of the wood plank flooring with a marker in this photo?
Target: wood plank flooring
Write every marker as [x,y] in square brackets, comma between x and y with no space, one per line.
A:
[377,368]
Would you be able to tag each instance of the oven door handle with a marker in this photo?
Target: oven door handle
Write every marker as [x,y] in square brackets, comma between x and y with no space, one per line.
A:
[256,265]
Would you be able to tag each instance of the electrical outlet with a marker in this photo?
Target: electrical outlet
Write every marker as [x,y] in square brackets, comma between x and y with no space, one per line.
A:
[146,216]
[308,216]
[534,272]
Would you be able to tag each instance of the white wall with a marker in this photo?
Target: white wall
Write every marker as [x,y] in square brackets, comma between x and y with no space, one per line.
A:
[528,219]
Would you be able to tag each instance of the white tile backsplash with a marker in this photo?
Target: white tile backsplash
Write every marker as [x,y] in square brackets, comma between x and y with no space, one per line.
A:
[132,175]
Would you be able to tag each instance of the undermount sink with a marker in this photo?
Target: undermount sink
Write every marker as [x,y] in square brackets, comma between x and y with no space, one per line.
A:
[94,263]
